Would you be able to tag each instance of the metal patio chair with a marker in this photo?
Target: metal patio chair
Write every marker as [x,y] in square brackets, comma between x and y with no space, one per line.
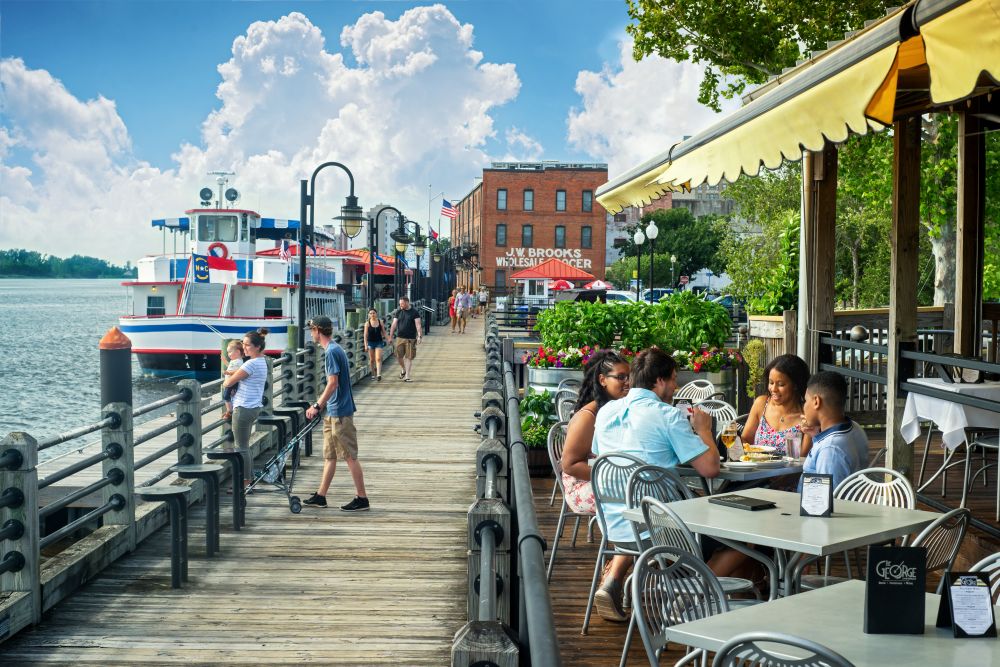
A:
[565,402]
[722,413]
[875,486]
[942,539]
[694,391]
[990,565]
[569,383]
[745,651]
[670,586]
[557,438]
[608,479]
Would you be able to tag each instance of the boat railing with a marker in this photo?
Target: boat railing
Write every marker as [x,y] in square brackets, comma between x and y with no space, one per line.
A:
[34,576]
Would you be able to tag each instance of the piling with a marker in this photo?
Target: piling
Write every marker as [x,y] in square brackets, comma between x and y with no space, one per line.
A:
[116,367]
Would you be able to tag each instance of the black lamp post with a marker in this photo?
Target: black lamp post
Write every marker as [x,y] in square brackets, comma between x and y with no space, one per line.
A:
[638,238]
[350,215]
[372,245]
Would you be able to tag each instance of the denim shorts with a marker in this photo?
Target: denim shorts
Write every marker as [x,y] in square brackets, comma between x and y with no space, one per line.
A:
[375,346]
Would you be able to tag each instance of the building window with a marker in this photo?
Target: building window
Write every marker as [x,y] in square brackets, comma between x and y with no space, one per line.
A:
[501,235]
[621,217]
[560,200]
[527,236]
[529,200]
[500,278]
[502,199]
[586,237]
[560,236]
[156,305]
[272,306]
[588,201]
[536,287]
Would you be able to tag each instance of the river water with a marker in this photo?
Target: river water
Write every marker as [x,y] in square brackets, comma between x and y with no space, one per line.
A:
[50,368]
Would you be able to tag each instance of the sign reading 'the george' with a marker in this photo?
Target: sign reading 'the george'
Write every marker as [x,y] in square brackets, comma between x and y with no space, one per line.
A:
[525,257]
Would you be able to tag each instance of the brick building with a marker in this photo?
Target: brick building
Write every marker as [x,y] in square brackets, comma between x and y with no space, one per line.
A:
[523,213]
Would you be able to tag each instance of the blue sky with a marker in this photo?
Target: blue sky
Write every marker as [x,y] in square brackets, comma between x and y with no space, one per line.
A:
[113,111]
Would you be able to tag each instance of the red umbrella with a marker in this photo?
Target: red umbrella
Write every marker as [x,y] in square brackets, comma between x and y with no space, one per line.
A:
[557,285]
[598,284]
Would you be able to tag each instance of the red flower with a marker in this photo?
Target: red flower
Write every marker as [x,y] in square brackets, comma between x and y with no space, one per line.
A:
[696,367]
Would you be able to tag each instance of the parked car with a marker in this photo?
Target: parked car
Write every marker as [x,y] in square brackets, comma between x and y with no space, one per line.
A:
[619,295]
[656,293]
[736,308]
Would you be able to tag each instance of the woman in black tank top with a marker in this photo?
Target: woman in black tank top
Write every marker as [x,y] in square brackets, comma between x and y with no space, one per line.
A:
[374,342]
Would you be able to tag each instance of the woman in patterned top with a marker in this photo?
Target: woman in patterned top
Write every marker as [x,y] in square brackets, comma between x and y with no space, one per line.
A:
[778,413]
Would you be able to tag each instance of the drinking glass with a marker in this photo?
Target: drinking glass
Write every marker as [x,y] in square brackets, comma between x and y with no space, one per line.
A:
[729,438]
[793,446]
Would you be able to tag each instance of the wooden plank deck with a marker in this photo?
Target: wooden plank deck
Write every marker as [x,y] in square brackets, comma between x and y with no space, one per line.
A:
[602,646]
[323,587]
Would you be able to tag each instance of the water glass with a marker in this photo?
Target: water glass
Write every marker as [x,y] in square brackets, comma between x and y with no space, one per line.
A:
[793,446]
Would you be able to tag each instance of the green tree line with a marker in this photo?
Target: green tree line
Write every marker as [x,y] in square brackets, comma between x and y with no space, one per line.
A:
[30,264]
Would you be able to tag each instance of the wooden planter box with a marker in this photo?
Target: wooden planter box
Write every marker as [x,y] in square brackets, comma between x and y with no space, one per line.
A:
[538,462]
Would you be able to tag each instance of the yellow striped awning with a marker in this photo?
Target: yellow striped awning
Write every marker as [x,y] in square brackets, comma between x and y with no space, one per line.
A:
[862,83]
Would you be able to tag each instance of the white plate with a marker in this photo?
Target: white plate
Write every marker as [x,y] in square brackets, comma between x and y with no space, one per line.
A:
[771,464]
[741,465]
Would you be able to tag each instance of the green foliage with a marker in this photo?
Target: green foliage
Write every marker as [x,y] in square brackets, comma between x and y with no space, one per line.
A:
[763,262]
[694,241]
[742,42]
[753,355]
[537,416]
[576,324]
[29,264]
[688,322]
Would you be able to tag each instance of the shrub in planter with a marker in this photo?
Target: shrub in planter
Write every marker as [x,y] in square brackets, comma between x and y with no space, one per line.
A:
[577,324]
[685,321]
[537,416]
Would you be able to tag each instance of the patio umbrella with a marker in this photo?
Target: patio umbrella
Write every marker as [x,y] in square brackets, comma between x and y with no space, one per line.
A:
[557,285]
[598,284]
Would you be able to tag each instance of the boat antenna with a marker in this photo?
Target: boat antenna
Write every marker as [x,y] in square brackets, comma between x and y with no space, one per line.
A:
[221,177]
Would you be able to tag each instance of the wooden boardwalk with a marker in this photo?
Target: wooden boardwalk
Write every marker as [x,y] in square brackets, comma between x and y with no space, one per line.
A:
[323,587]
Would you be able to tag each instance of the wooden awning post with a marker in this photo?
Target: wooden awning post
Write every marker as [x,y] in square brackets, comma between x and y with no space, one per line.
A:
[902,280]
[970,233]
[817,249]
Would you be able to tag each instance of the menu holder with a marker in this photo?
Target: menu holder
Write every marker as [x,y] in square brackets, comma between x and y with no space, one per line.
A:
[967,605]
[816,498]
[894,590]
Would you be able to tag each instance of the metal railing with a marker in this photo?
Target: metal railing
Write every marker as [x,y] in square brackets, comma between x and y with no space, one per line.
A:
[112,523]
[509,610]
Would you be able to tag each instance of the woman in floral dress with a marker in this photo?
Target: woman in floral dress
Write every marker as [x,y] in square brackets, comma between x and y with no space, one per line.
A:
[778,413]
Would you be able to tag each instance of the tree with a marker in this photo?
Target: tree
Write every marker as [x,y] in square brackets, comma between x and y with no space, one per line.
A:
[694,241]
[742,42]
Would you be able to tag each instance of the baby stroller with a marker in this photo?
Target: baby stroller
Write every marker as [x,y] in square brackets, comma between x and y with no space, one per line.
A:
[275,470]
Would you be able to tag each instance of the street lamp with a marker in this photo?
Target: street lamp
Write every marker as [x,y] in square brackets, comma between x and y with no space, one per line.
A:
[372,245]
[350,216]
[652,231]
[673,260]
[638,238]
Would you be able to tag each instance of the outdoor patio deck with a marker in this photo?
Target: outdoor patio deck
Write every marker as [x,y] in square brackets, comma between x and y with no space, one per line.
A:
[603,645]
[322,587]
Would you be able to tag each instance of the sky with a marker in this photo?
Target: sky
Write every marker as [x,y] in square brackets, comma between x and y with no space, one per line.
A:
[113,113]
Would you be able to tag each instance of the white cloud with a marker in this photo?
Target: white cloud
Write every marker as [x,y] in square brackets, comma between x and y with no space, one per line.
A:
[415,109]
[632,111]
[521,147]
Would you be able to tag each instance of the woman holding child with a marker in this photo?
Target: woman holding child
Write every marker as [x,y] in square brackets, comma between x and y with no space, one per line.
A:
[249,398]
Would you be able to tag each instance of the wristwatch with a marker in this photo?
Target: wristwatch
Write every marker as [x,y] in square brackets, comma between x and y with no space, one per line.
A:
[316,406]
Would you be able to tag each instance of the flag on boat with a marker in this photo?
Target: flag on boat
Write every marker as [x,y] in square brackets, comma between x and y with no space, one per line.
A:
[284,253]
[212,269]
[434,235]
[447,210]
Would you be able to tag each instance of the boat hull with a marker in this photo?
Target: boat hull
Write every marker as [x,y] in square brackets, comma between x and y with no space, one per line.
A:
[191,346]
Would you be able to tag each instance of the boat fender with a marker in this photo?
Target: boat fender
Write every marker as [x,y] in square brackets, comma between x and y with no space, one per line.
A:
[225,250]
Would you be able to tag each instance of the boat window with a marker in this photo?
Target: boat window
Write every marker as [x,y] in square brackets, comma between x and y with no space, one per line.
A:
[244,226]
[217,228]
[272,306]
[155,305]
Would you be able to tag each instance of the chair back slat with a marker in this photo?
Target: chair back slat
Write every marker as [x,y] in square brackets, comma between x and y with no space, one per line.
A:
[565,402]
[661,483]
[991,566]
[745,651]
[671,586]
[695,390]
[723,413]
[556,442]
[666,529]
[943,538]
[609,481]
[877,486]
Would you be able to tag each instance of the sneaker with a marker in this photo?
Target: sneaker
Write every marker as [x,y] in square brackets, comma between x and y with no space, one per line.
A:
[402,374]
[608,601]
[359,504]
[378,378]
[315,500]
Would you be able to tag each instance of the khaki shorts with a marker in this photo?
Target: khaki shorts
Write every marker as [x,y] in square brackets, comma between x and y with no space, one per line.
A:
[406,348]
[340,438]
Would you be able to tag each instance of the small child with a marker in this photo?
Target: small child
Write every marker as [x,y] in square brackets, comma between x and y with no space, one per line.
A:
[235,353]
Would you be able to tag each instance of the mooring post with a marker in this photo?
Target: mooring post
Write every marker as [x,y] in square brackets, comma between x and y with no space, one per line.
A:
[319,372]
[189,429]
[117,437]
[19,527]
[289,369]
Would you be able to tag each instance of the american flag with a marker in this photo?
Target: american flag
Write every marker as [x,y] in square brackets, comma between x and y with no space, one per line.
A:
[284,253]
[447,210]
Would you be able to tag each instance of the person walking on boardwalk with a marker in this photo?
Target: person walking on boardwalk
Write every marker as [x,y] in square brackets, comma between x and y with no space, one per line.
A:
[451,309]
[460,311]
[465,299]
[484,297]
[249,399]
[340,438]
[406,329]
[374,342]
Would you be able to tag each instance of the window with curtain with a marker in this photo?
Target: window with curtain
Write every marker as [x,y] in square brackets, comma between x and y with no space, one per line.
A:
[527,236]
[560,236]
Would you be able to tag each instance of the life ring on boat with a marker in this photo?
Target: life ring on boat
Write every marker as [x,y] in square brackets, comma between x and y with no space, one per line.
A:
[221,246]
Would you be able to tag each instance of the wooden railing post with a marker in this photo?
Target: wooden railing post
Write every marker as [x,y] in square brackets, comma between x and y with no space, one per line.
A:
[19,527]
[117,441]
[189,433]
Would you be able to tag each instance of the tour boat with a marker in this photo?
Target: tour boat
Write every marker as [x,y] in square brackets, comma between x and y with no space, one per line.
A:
[237,272]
